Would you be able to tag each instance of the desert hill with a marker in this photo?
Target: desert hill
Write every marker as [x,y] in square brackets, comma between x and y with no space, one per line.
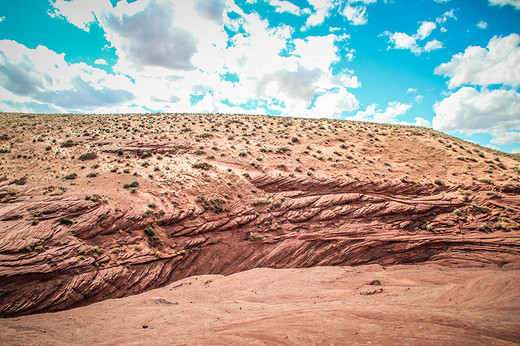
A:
[94,207]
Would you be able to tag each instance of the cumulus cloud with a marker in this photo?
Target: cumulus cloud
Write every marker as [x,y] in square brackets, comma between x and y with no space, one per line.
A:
[334,103]
[211,9]
[172,60]
[393,110]
[433,45]
[425,30]
[41,76]
[472,111]
[482,24]
[479,109]
[507,137]
[356,15]
[81,13]
[514,3]
[445,16]
[321,11]
[288,7]
[299,84]
[354,11]
[100,62]
[401,40]
[499,63]
[150,38]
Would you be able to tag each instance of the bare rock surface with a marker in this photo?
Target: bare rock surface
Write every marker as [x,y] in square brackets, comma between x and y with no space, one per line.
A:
[52,265]
[427,304]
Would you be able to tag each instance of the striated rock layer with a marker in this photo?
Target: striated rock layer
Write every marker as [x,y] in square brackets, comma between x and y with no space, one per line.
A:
[86,250]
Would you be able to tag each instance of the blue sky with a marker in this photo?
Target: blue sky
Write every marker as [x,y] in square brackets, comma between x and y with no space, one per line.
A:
[447,64]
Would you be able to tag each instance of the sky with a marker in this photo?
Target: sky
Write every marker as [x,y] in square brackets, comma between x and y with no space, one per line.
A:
[452,65]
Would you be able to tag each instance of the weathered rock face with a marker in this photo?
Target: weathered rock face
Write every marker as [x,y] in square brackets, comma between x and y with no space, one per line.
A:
[82,251]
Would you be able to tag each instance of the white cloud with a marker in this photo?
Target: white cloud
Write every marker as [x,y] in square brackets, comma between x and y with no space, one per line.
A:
[516,150]
[514,3]
[389,115]
[149,38]
[507,137]
[355,11]
[433,45]
[174,49]
[79,12]
[286,6]
[482,24]
[441,1]
[356,15]
[419,98]
[100,62]
[41,78]
[411,90]
[445,16]
[471,111]
[425,30]
[2,18]
[322,10]
[333,103]
[499,63]
[401,40]
[212,10]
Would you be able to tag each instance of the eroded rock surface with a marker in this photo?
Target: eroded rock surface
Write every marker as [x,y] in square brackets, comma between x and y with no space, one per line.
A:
[82,251]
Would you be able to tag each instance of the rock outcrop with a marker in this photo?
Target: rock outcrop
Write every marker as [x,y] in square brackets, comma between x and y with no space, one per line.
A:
[65,251]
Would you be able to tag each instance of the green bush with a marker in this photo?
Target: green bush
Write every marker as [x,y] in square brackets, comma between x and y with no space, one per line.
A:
[70,176]
[87,156]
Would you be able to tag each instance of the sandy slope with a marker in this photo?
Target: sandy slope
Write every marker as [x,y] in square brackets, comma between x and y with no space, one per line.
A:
[415,304]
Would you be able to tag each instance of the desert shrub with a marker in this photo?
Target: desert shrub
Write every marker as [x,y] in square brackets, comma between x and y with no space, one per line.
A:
[19,181]
[201,165]
[483,227]
[213,204]
[147,213]
[478,209]
[282,150]
[68,143]
[87,156]
[149,231]
[204,135]
[70,176]
[65,221]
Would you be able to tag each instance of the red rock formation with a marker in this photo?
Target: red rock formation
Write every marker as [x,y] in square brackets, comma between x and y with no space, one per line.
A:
[83,251]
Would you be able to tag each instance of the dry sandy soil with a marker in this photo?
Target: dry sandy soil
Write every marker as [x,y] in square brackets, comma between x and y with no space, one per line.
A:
[97,207]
